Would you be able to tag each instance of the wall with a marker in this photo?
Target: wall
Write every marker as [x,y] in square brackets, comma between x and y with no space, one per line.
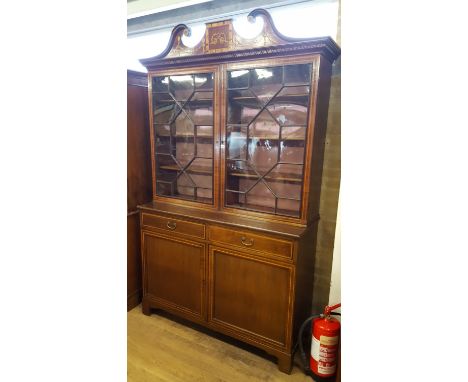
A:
[335,282]
[136,8]
[324,259]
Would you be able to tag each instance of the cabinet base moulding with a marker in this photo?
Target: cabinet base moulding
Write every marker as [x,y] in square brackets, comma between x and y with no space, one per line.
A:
[284,359]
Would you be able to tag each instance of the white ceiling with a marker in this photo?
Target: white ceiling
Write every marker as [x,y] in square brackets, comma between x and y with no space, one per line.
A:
[137,8]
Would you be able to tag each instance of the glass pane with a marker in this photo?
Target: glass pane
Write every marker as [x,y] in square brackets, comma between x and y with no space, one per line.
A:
[183,136]
[203,81]
[165,110]
[260,197]
[181,87]
[264,126]
[262,154]
[285,181]
[164,188]
[186,186]
[200,108]
[292,172]
[293,133]
[236,144]
[238,79]
[297,74]
[288,113]
[266,82]
[201,166]
[166,162]
[296,94]
[205,131]
[184,126]
[289,207]
[267,113]
[185,151]
[292,151]
[239,172]
[162,144]
[204,148]
[243,106]
[161,84]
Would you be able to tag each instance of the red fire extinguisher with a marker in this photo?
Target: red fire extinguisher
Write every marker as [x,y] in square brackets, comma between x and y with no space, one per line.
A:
[324,348]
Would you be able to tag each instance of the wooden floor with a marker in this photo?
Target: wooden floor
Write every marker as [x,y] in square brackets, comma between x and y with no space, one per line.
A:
[161,348]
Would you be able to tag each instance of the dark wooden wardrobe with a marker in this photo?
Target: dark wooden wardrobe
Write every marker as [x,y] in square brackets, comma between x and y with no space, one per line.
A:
[138,177]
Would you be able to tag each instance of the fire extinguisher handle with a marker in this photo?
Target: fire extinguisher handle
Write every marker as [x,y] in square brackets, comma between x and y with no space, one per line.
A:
[328,309]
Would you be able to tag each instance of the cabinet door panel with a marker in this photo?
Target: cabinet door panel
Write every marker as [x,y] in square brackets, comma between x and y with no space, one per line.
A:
[250,295]
[266,130]
[174,272]
[183,122]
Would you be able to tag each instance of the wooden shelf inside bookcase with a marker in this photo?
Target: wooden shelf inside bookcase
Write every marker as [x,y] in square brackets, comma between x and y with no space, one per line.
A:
[259,137]
[271,138]
[191,170]
[256,207]
[237,98]
[206,171]
[277,98]
[183,102]
[280,178]
[205,136]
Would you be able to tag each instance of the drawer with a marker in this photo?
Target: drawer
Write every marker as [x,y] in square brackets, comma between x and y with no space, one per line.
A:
[248,240]
[173,225]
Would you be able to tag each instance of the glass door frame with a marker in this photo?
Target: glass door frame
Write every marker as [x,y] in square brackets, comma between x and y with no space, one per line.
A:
[313,59]
[215,69]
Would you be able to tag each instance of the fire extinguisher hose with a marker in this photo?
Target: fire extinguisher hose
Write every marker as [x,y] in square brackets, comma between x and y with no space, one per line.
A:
[303,355]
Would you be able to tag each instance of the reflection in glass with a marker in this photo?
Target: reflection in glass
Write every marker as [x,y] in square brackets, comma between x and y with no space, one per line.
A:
[236,144]
[267,117]
[183,136]
[181,87]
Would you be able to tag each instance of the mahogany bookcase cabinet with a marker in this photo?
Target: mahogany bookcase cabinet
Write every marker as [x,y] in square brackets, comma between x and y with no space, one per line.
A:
[237,141]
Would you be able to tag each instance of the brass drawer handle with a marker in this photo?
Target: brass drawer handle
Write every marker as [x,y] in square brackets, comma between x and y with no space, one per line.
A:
[247,243]
[171,225]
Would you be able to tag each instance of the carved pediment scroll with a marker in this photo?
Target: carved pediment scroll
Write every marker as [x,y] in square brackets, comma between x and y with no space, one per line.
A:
[221,40]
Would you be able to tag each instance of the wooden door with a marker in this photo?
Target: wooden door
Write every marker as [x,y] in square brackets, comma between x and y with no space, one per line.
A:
[251,297]
[174,272]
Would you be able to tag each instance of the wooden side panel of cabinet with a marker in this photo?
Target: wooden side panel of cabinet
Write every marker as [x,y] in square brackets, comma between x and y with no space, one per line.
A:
[133,262]
[138,142]
[174,274]
[304,278]
[251,296]
[317,147]
[138,177]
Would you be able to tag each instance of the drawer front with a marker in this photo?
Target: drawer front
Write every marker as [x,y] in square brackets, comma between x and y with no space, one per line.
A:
[173,225]
[255,241]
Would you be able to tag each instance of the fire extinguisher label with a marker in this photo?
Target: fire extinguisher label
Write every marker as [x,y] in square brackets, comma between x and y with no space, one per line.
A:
[325,340]
[315,349]
[326,369]
[323,351]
